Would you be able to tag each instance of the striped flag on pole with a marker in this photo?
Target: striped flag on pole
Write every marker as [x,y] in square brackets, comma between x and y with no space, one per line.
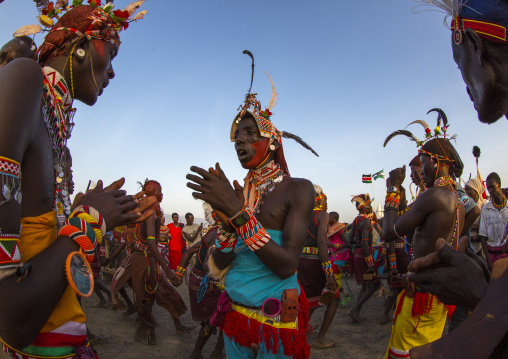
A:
[380,174]
[367,178]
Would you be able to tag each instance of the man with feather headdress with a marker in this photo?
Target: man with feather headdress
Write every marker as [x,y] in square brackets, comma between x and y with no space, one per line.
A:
[363,261]
[263,310]
[438,212]
[40,315]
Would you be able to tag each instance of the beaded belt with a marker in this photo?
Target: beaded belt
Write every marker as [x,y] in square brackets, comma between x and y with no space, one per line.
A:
[258,315]
[18,355]
[141,247]
[399,245]
[310,250]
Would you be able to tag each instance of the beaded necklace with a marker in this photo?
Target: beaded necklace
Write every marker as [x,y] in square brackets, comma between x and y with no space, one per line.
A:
[262,181]
[58,114]
[499,207]
[448,182]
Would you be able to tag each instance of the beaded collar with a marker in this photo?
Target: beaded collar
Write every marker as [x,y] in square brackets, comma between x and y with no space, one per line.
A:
[499,207]
[58,114]
[261,181]
[448,182]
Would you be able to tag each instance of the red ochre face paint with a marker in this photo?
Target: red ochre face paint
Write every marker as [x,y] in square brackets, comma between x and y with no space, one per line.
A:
[99,47]
[261,148]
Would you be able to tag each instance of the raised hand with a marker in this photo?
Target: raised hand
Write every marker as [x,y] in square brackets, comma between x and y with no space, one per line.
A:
[397,176]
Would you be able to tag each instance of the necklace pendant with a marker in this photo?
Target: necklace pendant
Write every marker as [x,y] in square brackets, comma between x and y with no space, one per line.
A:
[6,192]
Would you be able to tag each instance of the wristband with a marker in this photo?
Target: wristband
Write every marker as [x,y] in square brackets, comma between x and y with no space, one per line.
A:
[370,261]
[240,219]
[327,268]
[393,261]
[180,272]
[252,233]
[82,233]
[225,241]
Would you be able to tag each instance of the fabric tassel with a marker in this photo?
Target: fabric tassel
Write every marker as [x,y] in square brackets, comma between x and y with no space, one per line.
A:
[399,306]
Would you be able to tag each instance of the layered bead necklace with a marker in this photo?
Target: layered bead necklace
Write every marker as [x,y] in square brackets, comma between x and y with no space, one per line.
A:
[58,114]
[448,182]
[260,182]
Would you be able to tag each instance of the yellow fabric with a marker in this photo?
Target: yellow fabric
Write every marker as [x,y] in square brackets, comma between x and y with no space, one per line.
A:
[37,233]
[338,279]
[409,332]
[262,319]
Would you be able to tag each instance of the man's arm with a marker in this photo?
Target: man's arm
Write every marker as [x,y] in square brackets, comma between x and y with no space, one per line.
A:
[283,260]
[470,218]
[322,221]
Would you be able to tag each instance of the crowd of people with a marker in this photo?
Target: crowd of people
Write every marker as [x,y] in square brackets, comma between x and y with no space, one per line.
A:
[271,253]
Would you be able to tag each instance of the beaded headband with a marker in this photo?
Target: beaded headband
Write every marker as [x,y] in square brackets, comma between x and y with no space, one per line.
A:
[361,200]
[49,11]
[487,18]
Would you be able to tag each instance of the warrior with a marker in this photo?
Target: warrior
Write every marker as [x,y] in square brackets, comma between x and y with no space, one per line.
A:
[204,292]
[315,269]
[40,315]
[148,283]
[363,262]
[437,213]
[263,229]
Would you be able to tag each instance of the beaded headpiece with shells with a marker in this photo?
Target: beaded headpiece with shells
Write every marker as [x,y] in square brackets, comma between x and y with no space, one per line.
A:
[361,200]
[263,120]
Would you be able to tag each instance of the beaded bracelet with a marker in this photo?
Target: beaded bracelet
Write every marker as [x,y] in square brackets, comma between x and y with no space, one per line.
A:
[98,219]
[327,268]
[180,271]
[369,260]
[252,233]
[10,255]
[82,233]
[392,202]
[338,245]
[150,237]
[393,261]
[225,241]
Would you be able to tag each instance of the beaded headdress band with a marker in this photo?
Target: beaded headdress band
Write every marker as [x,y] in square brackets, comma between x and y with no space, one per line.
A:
[361,200]
[252,106]
[488,18]
[319,193]
[101,16]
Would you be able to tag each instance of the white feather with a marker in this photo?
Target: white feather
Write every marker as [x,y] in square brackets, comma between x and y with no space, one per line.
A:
[133,6]
[140,15]
[273,100]
[27,30]
[451,8]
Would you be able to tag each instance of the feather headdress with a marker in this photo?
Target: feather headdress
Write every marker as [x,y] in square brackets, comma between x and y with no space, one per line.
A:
[361,200]
[252,106]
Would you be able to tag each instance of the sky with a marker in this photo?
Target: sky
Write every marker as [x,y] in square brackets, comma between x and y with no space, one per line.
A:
[347,75]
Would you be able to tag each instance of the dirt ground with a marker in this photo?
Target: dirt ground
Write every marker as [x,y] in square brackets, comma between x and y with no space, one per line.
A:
[367,339]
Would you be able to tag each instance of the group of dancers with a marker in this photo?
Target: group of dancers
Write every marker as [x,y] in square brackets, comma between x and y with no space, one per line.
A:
[264,265]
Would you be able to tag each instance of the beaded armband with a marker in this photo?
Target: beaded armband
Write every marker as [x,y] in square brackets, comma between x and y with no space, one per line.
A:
[369,260]
[81,232]
[252,232]
[327,268]
[180,271]
[10,255]
[392,201]
[393,260]
[225,241]
[93,218]
[10,175]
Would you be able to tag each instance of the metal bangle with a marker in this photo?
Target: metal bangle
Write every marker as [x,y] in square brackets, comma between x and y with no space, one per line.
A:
[395,231]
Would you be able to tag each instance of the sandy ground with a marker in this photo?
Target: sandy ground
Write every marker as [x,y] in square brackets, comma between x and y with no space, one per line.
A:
[365,340]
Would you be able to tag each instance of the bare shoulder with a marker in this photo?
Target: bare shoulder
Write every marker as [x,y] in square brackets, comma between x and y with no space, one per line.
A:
[301,185]
[21,73]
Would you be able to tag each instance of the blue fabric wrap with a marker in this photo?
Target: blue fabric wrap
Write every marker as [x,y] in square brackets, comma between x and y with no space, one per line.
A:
[494,11]
[250,282]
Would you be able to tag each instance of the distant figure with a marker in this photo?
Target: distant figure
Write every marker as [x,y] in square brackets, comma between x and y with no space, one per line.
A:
[176,244]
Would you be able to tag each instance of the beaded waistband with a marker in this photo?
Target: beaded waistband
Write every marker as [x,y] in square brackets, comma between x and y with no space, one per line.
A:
[399,245]
[141,247]
[258,315]
[310,250]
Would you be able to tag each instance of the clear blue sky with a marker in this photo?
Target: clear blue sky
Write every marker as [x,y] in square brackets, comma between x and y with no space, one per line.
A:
[347,74]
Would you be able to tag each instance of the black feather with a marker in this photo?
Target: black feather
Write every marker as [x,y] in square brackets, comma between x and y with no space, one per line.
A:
[476,151]
[41,4]
[299,140]
[397,133]
[247,52]
[441,116]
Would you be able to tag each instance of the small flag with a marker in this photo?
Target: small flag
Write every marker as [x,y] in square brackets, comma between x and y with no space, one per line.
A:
[367,178]
[380,174]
